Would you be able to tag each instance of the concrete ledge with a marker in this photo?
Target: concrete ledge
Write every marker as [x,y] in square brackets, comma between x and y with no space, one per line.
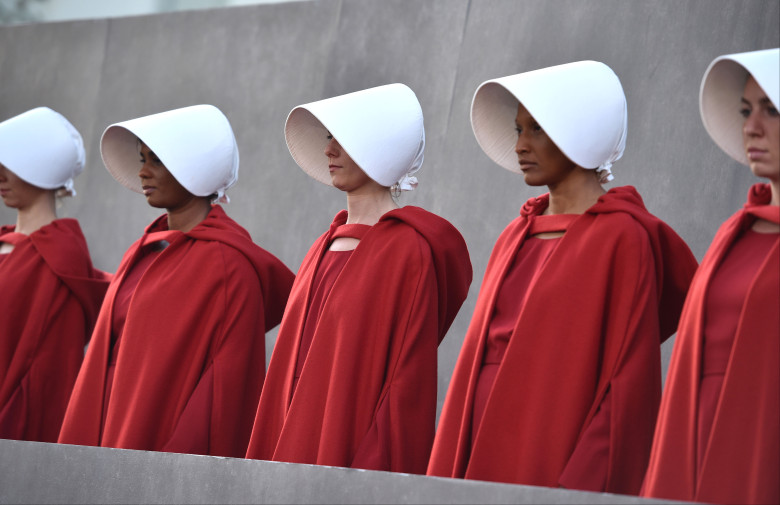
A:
[33,472]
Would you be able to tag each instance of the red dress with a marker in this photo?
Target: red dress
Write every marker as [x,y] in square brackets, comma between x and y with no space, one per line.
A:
[583,363]
[718,439]
[366,397]
[190,362]
[50,295]
[531,256]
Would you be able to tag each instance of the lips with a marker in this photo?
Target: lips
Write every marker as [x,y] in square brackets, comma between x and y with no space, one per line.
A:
[148,190]
[331,168]
[525,164]
[755,153]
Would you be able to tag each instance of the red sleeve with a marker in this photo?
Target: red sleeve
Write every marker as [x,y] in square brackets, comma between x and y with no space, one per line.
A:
[401,434]
[621,429]
[239,365]
[217,418]
[588,465]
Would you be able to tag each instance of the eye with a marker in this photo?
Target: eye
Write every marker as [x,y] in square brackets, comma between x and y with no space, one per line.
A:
[518,130]
[537,128]
[143,160]
[771,111]
[745,112]
[329,136]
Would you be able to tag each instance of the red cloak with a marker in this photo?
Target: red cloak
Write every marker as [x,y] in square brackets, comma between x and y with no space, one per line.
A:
[366,397]
[50,295]
[742,460]
[192,357]
[592,324]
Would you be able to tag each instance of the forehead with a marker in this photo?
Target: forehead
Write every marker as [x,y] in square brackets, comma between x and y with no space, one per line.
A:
[522,113]
[753,91]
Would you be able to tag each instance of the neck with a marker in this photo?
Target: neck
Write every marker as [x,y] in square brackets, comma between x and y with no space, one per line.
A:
[774,185]
[37,215]
[367,208]
[575,194]
[190,215]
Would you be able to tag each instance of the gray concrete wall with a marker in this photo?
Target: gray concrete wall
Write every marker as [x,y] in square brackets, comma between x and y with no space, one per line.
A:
[32,472]
[258,62]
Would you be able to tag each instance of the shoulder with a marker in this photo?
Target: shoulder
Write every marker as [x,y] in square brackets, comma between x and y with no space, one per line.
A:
[617,229]
[61,241]
[429,226]
[65,228]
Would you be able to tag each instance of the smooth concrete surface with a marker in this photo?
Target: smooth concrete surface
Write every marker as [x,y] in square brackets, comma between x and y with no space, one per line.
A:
[258,62]
[33,472]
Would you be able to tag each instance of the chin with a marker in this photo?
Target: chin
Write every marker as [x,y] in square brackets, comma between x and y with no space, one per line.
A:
[764,171]
[154,204]
[530,180]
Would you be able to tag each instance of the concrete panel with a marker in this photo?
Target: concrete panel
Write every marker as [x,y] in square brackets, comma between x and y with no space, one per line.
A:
[257,62]
[32,472]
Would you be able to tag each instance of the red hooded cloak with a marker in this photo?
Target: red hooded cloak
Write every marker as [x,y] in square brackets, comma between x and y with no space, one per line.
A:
[592,324]
[742,459]
[50,295]
[192,356]
[366,396]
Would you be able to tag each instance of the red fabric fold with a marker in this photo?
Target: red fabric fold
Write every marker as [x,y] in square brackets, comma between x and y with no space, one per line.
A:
[742,460]
[50,295]
[592,323]
[198,315]
[367,392]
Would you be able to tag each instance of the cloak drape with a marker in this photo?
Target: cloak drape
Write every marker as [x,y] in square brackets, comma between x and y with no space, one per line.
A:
[366,397]
[592,324]
[742,459]
[192,357]
[50,295]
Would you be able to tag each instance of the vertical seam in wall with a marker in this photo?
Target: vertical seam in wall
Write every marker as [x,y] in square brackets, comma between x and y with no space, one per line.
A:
[457,66]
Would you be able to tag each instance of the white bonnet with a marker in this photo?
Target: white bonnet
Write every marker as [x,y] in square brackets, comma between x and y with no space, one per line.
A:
[196,145]
[721,90]
[581,106]
[380,128]
[42,148]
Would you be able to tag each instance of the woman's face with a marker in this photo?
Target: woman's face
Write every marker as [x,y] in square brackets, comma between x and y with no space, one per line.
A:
[17,193]
[344,173]
[760,132]
[161,189]
[541,162]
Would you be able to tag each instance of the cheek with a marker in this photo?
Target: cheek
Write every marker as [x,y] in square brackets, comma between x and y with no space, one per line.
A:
[774,134]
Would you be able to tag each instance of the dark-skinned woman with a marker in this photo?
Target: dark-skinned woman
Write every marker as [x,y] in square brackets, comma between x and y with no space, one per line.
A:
[177,359]
[559,377]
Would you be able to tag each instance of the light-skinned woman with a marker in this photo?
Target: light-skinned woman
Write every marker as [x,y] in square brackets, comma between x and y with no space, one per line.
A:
[177,358]
[718,434]
[50,293]
[559,377]
[352,380]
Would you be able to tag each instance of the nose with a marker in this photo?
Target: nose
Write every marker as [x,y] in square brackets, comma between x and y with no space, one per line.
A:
[521,146]
[145,172]
[752,126]
[332,149]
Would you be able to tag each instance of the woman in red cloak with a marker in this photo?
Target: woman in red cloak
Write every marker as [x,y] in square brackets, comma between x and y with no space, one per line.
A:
[177,358]
[352,380]
[718,433]
[50,293]
[559,377]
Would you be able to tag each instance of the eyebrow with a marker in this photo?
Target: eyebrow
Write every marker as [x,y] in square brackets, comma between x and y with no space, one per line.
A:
[761,101]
